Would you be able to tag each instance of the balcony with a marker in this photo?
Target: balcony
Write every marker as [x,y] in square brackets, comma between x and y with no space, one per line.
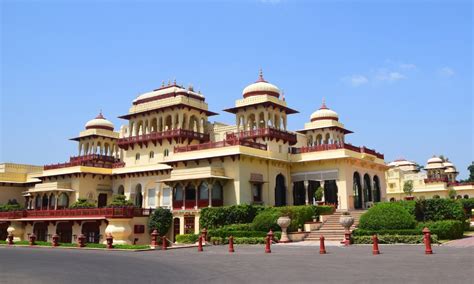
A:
[327,147]
[220,144]
[179,135]
[125,212]
[191,204]
[92,160]
[436,180]
[269,132]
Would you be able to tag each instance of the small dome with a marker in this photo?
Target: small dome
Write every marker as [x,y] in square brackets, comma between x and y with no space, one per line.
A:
[434,160]
[448,165]
[261,87]
[450,170]
[324,113]
[100,123]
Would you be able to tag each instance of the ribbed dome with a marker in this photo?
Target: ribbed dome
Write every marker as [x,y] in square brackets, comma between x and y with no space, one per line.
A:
[434,159]
[324,113]
[100,123]
[261,87]
[434,163]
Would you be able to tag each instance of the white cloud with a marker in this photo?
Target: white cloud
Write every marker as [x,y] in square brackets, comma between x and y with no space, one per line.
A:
[446,72]
[407,66]
[388,76]
[356,80]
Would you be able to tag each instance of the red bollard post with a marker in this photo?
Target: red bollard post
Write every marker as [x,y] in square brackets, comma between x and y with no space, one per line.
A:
[200,244]
[204,234]
[231,244]
[10,239]
[163,243]
[270,234]
[81,241]
[322,247]
[32,239]
[375,248]
[427,240]
[154,239]
[347,238]
[110,241]
[55,241]
[267,245]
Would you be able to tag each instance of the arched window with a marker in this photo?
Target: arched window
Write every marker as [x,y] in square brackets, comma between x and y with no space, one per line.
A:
[121,190]
[357,189]
[326,140]
[166,152]
[376,189]
[319,139]
[216,191]
[45,202]
[280,190]
[138,196]
[203,191]
[63,200]
[178,192]
[52,201]
[152,155]
[367,188]
[38,202]
[137,156]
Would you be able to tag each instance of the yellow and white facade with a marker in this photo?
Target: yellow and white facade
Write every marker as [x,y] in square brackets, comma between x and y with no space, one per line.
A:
[168,154]
[437,179]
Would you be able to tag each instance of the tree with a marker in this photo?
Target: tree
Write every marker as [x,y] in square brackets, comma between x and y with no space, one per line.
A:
[160,220]
[82,203]
[408,187]
[471,172]
[319,194]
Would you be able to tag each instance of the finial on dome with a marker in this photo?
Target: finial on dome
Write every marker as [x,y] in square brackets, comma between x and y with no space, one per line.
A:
[163,83]
[100,116]
[323,105]
[282,95]
[260,76]
[174,82]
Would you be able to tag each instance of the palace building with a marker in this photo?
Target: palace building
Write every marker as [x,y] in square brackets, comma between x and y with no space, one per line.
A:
[437,179]
[168,154]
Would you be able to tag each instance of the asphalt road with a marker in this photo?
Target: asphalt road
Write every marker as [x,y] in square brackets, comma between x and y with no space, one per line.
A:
[249,264]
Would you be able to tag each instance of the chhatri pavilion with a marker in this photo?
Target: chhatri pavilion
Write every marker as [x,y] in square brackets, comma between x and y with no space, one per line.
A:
[168,154]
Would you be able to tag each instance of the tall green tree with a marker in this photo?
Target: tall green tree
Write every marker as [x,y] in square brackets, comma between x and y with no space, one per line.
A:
[471,172]
[408,187]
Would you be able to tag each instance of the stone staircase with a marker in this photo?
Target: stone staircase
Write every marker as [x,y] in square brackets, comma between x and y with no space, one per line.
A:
[331,229]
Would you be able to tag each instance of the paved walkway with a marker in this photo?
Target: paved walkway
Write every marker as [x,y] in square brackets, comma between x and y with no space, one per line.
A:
[249,264]
[461,243]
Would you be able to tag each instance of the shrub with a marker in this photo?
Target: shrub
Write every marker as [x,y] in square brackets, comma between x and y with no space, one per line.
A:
[439,209]
[323,210]
[267,220]
[214,217]
[393,239]
[318,194]
[121,201]
[223,233]
[404,232]
[387,216]
[187,238]
[160,220]
[445,229]
[298,215]
[238,227]
[82,203]
[436,196]
[451,193]
[409,205]
[468,205]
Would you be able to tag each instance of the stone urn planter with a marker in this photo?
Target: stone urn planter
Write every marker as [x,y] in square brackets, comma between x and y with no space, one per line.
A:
[284,222]
[346,221]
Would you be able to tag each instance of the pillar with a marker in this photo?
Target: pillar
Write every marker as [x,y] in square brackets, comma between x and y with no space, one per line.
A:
[209,193]
[306,195]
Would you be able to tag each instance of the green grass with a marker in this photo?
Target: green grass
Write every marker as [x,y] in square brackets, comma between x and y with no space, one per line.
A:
[74,245]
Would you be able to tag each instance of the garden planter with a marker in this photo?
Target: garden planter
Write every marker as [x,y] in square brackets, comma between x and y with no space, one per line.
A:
[284,222]
[409,197]
[346,221]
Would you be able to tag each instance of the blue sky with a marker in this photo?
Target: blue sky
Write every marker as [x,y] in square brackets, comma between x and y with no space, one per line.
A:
[399,73]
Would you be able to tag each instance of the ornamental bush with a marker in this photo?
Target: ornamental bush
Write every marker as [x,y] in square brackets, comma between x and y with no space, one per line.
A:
[393,239]
[215,217]
[267,220]
[387,215]
[468,205]
[160,220]
[120,201]
[323,210]
[82,203]
[187,238]
[298,215]
[404,232]
[439,209]
[445,229]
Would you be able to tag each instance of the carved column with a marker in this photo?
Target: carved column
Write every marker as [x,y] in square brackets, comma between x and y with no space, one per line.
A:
[306,195]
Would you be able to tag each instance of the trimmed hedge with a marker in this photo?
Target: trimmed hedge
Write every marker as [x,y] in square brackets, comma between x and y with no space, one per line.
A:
[468,205]
[387,215]
[187,238]
[439,209]
[223,233]
[445,229]
[323,210]
[406,232]
[214,217]
[267,220]
[393,239]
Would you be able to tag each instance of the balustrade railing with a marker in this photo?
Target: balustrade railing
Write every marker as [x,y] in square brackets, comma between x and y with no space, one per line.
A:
[156,136]
[335,146]
[264,132]
[219,144]
[91,160]
[118,212]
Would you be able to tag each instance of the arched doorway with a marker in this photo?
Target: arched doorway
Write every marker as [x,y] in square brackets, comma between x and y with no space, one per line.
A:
[357,190]
[299,195]
[377,195]
[40,229]
[3,231]
[367,189]
[330,192]
[280,191]
[64,230]
[313,185]
[121,190]
[102,200]
[138,196]
[45,202]
[92,232]
[176,228]
[190,196]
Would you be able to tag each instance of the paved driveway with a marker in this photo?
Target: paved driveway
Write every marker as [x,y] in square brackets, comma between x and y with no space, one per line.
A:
[249,264]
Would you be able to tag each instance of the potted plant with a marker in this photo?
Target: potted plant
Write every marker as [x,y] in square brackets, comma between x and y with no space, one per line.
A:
[318,194]
[346,220]
[408,189]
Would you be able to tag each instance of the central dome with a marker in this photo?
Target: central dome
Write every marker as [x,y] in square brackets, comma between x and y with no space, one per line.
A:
[324,113]
[261,87]
[100,123]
